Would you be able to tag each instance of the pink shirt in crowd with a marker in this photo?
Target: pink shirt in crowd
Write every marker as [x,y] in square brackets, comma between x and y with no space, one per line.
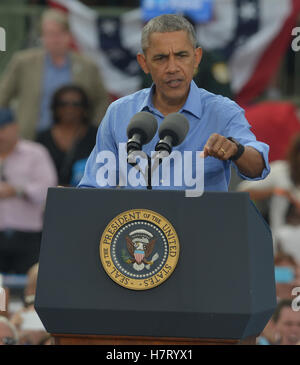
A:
[30,168]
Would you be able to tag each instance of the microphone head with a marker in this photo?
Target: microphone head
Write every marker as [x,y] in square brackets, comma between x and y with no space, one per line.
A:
[143,123]
[175,125]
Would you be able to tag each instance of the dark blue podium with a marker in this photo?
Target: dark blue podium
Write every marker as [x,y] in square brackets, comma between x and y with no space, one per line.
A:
[222,289]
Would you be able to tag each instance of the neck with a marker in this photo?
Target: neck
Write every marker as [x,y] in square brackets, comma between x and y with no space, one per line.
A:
[6,153]
[71,129]
[165,106]
[58,59]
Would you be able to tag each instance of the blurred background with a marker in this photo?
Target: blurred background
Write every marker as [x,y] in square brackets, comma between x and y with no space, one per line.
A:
[67,60]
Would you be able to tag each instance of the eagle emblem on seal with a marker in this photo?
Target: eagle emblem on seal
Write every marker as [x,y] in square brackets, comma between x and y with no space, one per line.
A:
[140,245]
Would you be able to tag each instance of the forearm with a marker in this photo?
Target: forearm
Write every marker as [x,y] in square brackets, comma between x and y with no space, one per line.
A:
[248,160]
[260,194]
[251,163]
[34,192]
[7,190]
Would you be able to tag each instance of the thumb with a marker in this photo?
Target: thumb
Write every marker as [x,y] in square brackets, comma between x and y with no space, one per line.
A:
[204,153]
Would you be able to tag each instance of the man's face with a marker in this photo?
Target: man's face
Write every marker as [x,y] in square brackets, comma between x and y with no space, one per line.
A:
[171,60]
[56,39]
[288,326]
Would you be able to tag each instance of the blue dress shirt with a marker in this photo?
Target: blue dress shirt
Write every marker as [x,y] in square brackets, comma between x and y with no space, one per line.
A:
[53,78]
[207,113]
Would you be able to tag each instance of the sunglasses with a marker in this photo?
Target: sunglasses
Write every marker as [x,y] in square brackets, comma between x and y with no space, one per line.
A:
[76,104]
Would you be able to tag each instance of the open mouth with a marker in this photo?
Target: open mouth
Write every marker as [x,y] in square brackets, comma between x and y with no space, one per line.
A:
[174,83]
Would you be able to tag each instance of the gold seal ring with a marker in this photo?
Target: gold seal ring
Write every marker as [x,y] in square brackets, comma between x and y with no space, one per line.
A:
[222,149]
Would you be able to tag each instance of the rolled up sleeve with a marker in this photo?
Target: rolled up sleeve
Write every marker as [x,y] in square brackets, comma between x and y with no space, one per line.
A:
[239,128]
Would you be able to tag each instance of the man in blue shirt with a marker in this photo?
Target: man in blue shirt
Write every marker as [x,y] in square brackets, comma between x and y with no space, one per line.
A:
[217,125]
[33,75]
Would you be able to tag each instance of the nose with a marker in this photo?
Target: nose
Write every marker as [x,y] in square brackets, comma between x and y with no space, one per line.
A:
[172,66]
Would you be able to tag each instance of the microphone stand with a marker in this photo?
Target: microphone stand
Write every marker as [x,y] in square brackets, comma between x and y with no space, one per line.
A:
[149,186]
[135,165]
[158,156]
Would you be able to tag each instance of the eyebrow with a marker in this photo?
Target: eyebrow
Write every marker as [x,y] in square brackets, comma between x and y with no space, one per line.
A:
[179,53]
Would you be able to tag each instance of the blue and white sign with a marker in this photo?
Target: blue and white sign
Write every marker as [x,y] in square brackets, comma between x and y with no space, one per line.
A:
[199,11]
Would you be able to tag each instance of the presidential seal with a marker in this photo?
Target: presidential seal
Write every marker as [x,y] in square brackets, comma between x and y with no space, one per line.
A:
[139,249]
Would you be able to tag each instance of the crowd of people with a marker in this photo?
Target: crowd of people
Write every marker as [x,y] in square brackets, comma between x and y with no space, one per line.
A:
[44,142]
[51,102]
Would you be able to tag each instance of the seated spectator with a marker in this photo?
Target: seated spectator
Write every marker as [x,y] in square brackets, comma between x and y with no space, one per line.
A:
[72,137]
[287,237]
[30,328]
[287,323]
[281,186]
[268,335]
[26,172]
[8,332]
[33,75]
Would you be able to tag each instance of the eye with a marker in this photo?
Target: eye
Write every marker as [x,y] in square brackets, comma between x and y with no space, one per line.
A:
[182,55]
[159,58]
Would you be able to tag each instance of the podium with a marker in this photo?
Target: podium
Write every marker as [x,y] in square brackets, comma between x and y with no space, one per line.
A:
[221,290]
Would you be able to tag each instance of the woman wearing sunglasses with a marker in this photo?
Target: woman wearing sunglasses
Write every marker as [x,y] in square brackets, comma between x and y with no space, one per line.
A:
[72,137]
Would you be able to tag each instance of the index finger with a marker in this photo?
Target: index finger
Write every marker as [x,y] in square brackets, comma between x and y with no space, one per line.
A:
[210,143]
[211,140]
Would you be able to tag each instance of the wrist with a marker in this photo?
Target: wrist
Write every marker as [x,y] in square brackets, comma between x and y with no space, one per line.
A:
[240,149]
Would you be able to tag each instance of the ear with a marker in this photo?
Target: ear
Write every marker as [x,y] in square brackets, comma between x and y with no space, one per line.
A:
[142,62]
[198,56]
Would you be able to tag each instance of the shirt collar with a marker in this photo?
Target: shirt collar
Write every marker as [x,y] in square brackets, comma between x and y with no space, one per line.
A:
[192,105]
[15,151]
[65,65]
[148,104]
[18,147]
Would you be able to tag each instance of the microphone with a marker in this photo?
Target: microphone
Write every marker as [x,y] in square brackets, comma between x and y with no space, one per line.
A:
[172,132]
[140,131]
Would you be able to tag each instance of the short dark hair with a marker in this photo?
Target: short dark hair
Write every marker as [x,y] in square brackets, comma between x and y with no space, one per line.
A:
[283,256]
[282,304]
[64,90]
[167,23]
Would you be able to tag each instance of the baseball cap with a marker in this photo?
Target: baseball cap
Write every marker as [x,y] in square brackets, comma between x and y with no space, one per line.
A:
[6,117]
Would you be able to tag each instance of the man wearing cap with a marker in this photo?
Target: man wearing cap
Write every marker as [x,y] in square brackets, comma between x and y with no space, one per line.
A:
[26,172]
